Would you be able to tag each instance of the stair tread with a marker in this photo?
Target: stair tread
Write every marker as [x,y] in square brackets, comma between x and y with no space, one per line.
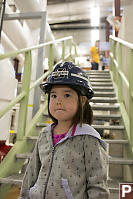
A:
[100,84]
[97,72]
[111,127]
[105,107]
[13,179]
[32,137]
[23,155]
[110,141]
[41,125]
[102,88]
[104,99]
[98,94]
[99,76]
[113,184]
[104,93]
[99,80]
[117,160]
[111,116]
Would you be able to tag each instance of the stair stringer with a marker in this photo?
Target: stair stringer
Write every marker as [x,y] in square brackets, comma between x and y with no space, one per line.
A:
[128,150]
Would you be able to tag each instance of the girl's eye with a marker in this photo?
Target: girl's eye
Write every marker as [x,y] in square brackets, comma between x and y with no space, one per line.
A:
[53,96]
[67,95]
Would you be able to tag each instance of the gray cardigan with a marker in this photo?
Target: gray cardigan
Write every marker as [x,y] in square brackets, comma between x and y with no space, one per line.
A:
[76,168]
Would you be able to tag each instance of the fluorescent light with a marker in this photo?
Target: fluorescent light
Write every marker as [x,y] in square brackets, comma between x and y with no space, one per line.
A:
[95,16]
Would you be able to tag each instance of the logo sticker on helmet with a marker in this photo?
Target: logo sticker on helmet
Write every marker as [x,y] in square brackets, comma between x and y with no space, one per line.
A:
[70,66]
[60,73]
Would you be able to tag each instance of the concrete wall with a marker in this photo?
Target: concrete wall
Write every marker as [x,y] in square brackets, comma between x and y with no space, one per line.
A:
[81,37]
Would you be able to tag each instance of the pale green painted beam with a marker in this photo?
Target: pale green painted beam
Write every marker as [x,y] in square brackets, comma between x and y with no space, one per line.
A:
[131,97]
[63,50]
[14,53]
[120,85]
[51,57]
[70,50]
[24,103]
[116,68]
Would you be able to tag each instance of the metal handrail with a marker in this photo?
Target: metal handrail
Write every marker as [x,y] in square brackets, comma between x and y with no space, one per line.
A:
[22,98]
[14,53]
[121,41]
[28,129]
[121,81]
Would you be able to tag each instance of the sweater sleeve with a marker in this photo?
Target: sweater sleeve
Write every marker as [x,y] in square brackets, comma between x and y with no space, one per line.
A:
[31,174]
[96,163]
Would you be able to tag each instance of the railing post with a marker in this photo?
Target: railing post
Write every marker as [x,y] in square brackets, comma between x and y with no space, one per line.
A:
[120,85]
[114,66]
[70,50]
[63,50]
[111,51]
[24,102]
[39,66]
[51,57]
[131,97]
[75,52]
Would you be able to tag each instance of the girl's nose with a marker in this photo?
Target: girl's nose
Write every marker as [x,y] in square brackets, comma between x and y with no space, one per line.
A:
[59,100]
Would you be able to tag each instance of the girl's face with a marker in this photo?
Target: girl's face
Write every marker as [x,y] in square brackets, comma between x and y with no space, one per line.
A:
[63,103]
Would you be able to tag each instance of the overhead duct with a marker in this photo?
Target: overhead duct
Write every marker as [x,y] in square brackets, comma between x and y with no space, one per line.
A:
[31,6]
[14,30]
[34,6]
[9,46]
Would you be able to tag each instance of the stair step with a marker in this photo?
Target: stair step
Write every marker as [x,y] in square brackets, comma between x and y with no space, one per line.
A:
[105,107]
[104,94]
[14,179]
[107,117]
[32,138]
[101,84]
[111,127]
[23,156]
[45,114]
[113,185]
[41,125]
[116,141]
[121,161]
[95,72]
[104,100]
[99,76]
[99,80]
[103,89]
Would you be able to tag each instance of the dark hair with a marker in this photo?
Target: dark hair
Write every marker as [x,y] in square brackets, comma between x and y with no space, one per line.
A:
[84,113]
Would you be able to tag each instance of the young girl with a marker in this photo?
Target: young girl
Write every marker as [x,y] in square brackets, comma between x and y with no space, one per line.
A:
[69,160]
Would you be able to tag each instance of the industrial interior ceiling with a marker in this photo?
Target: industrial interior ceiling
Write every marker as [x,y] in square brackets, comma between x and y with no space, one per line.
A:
[71,14]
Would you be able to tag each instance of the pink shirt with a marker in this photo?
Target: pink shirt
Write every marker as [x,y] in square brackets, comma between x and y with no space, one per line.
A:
[58,137]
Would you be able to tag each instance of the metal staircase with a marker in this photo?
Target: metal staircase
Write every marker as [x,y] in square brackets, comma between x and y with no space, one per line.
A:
[108,121]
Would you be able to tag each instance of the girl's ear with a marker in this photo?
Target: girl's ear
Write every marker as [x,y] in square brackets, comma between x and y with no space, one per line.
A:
[83,100]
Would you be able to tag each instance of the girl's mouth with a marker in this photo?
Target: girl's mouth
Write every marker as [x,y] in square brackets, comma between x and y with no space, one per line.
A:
[60,109]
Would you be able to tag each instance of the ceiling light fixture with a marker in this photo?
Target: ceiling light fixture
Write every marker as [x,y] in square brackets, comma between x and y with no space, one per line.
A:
[95,16]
